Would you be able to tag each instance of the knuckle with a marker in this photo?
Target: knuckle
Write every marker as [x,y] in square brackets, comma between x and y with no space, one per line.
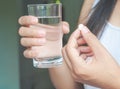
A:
[40,41]
[68,47]
[81,74]
[74,77]
[35,41]
[77,72]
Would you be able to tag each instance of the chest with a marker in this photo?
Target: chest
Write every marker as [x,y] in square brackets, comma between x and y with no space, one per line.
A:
[115,17]
[111,40]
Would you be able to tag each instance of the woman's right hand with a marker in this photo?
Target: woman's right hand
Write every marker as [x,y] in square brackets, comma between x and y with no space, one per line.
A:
[99,69]
[33,37]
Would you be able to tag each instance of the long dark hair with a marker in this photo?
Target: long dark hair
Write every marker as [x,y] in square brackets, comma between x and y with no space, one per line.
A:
[100,15]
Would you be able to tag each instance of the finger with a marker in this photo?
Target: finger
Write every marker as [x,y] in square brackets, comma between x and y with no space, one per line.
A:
[87,54]
[84,49]
[74,38]
[28,20]
[30,53]
[65,27]
[91,40]
[72,50]
[81,41]
[31,32]
[28,42]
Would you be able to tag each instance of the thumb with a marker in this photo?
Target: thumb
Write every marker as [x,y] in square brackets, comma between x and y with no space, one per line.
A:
[91,40]
[65,27]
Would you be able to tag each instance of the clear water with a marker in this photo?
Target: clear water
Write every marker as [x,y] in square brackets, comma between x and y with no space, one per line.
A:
[51,20]
[50,54]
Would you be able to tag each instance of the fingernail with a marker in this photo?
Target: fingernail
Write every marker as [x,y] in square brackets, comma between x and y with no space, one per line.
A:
[83,28]
[80,26]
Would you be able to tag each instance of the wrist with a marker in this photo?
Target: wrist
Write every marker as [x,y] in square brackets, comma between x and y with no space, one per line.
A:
[113,82]
[116,83]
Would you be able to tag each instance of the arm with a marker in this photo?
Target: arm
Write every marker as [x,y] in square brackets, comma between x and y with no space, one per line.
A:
[86,8]
[62,79]
[61,76]
[62,73]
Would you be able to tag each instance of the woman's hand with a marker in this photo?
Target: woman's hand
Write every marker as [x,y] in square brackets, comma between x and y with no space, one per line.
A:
[93,65]
[33,37]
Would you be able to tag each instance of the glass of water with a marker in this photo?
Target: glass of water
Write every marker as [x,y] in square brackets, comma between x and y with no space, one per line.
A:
[50,16]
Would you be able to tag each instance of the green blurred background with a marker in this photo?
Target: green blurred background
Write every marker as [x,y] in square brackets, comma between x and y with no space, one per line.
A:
[16,72]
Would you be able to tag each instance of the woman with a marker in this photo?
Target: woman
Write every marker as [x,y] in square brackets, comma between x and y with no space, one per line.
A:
[103,20]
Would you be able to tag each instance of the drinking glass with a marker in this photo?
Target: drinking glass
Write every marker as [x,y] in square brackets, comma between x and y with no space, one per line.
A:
[49,16]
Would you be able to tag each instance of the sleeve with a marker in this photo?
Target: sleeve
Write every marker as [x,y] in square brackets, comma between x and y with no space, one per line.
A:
[95,3]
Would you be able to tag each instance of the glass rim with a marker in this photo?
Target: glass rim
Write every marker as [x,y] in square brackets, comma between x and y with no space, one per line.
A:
[43,4]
